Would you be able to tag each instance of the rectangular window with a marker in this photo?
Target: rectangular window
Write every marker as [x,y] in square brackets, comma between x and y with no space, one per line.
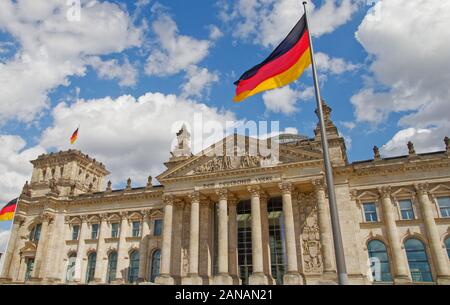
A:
[158,227]
[75,232]
[94,232]
[136,228]
[444,206]
[35,233]
[370,212]
[406,209]
[114,230]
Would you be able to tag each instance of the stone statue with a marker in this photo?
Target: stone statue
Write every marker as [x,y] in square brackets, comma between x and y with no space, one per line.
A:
[447,143]
[376,153]
[411,149]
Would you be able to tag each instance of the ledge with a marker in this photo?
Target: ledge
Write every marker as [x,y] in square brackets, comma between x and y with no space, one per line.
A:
[133,238]
[111,239]
[72,242]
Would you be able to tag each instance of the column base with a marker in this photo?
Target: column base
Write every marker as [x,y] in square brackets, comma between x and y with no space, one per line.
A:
[402,280]
[5,280]
[165,280]
[292,278]
[258,279]
[223,279]
[193,279]
[443,280]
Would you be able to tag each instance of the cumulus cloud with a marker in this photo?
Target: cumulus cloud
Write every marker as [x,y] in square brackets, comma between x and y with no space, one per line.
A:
[15,166]
[52,49]
[284,100]
[266,22]
[198,81]
[410,69]
[174,52]
[4,237]
[333,65]
[132,136]
[125,73]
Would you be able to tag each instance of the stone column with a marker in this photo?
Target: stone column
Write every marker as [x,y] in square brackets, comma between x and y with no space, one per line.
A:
[81,249]
[257,277]
[292,277]
[265,237]
[99,275]
[6,275]
[194,235]
[400,271]
[222,278]
[41,247]
[143,247]
[438,252]
[164,277]
[122,251]
[326,234]
[233,263]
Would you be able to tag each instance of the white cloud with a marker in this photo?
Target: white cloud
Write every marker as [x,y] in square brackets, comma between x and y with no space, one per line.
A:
[174,52]
[285,99]
[126,73]
[198,81]
[131,136]
[333,65]
[348,125]
[52,49]
[425,140]
[15,166]
[408,43]
[266,22]
[214,32]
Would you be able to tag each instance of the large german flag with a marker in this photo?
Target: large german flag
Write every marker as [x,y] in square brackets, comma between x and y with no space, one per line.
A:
[7,213]
[286,64]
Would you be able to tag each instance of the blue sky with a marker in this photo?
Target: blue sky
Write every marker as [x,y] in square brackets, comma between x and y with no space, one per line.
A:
[126,70]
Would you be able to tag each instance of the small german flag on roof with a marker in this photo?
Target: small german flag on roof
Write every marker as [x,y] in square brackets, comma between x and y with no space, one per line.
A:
[7,212]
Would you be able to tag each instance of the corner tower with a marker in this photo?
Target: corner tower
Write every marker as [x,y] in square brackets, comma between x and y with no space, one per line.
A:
[66,173]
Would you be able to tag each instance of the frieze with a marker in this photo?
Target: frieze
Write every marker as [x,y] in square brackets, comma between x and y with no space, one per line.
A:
[238,182]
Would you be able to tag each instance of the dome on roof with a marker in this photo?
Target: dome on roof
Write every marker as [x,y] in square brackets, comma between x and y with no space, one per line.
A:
[286,138]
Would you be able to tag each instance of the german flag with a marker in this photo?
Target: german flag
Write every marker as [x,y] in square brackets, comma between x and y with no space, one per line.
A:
[74,136]
[286,64]
[7,213]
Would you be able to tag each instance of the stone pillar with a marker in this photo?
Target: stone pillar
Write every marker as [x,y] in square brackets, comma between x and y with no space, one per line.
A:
[233,263]
[292,276]
[6,275]
[222,278]
[143,248]
[164,277]
[326,234]
[81,250]
[41,248]
[265,237]
[122,251]
[257,277]
[99,275]
[438,252]
[400,272]
[193,277]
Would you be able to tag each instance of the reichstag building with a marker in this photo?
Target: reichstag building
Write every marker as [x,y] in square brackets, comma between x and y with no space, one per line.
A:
[235,219]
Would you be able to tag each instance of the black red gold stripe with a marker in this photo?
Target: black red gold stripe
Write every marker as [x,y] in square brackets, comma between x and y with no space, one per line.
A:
[7,212]
[286,64]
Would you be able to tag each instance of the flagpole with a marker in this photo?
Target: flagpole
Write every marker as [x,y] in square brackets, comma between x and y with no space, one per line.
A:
[337,236]
[9,239]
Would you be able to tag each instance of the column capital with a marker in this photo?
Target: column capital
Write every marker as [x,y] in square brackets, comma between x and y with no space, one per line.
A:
[47,217]
[168,199]
[123,215]
[232,199]
[19,219]
[286,187]
[146,213]
[223,194]
[84,218]
[103,217]
[422,188]
[194,196]
[318,184]
[254,190]
[384,191]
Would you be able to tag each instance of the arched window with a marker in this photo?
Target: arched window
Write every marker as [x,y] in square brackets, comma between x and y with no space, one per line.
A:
[35,233]
[112,267]
[418,261]
[133,270]
[156,260]
[379,261]
[70,274]
[92,258]
[447,246]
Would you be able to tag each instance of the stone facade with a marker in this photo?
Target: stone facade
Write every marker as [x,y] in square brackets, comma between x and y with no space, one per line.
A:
[232,219]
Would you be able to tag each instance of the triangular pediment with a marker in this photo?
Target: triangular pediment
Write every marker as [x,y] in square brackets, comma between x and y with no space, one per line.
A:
[30,247]
[229,155]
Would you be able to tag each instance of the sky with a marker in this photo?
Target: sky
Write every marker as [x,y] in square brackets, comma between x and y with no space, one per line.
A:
[128,73]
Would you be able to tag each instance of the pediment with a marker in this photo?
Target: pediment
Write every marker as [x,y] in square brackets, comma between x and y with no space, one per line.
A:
[213,160]
[29,248]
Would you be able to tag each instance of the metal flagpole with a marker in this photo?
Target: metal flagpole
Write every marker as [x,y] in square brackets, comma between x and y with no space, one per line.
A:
[2,261]
[337,237]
